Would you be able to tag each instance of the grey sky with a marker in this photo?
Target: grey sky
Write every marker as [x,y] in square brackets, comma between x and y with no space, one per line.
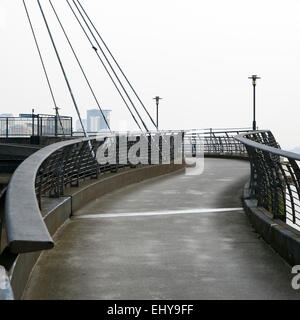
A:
[196,54]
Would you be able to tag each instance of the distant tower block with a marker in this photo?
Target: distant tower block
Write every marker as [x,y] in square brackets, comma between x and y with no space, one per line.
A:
[95,120]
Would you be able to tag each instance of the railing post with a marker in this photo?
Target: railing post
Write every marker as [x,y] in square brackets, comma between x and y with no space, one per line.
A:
[71,127]
[6,127]
[211,143]
[182,143]
[38,125]
[171,148]
[151,140]
[32,123]
[55,126]
[117,152]
[160,149]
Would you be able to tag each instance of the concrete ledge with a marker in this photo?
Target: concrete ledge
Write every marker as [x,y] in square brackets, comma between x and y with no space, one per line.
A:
[284,239]
[56,211]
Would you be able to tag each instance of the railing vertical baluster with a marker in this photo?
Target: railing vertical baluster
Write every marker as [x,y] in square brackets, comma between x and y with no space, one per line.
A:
[6,127]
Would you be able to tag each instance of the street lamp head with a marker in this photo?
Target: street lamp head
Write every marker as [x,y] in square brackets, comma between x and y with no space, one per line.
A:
[254,77]
[157,98]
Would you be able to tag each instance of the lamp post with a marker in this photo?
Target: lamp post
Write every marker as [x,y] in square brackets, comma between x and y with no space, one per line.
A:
[254,77]
[157,98]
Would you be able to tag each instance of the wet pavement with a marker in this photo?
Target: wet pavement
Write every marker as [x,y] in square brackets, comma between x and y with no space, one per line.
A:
[173,237]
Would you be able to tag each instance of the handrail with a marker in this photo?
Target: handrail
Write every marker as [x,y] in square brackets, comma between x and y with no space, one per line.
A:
[246,141]
[275,176]
[27,232]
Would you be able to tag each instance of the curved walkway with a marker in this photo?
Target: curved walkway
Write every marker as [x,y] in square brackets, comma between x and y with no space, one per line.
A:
[173,237]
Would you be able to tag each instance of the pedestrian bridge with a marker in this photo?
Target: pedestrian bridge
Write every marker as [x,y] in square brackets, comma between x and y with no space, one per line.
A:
[156,231]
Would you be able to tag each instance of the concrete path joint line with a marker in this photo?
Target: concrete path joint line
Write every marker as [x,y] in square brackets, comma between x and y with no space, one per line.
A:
[154,213]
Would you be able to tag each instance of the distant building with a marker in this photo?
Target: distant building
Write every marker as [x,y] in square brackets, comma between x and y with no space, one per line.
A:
[95,121]
[6,115]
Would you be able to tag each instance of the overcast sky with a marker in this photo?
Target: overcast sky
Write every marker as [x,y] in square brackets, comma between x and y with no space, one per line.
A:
[197,55]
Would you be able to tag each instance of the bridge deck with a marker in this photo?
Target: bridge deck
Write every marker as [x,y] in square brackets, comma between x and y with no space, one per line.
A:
[176,246]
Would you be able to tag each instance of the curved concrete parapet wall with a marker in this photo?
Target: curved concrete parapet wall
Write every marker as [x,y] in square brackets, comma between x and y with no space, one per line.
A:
[272,197]
[55,215]
[284,239]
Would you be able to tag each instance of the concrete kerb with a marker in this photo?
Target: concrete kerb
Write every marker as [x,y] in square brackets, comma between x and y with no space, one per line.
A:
[60,212]
[284,239]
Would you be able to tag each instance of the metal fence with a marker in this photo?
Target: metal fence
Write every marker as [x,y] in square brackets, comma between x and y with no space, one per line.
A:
[275,176]
[35,125]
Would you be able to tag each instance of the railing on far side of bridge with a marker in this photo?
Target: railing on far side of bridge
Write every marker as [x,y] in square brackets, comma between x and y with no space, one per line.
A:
[215,142]
[275,176]
[27,125]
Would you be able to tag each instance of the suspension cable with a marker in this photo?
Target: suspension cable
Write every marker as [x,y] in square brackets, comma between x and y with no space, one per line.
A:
[117,64]
[44,67]
[62,69]
[80,66]
[111,67]
[95,49]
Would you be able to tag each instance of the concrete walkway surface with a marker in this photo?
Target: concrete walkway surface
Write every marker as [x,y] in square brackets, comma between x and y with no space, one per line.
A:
[173,237]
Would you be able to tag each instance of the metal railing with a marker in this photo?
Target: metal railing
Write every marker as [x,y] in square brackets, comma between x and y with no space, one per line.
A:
[214,142]
[76,161]
[35,125]
[275,176]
